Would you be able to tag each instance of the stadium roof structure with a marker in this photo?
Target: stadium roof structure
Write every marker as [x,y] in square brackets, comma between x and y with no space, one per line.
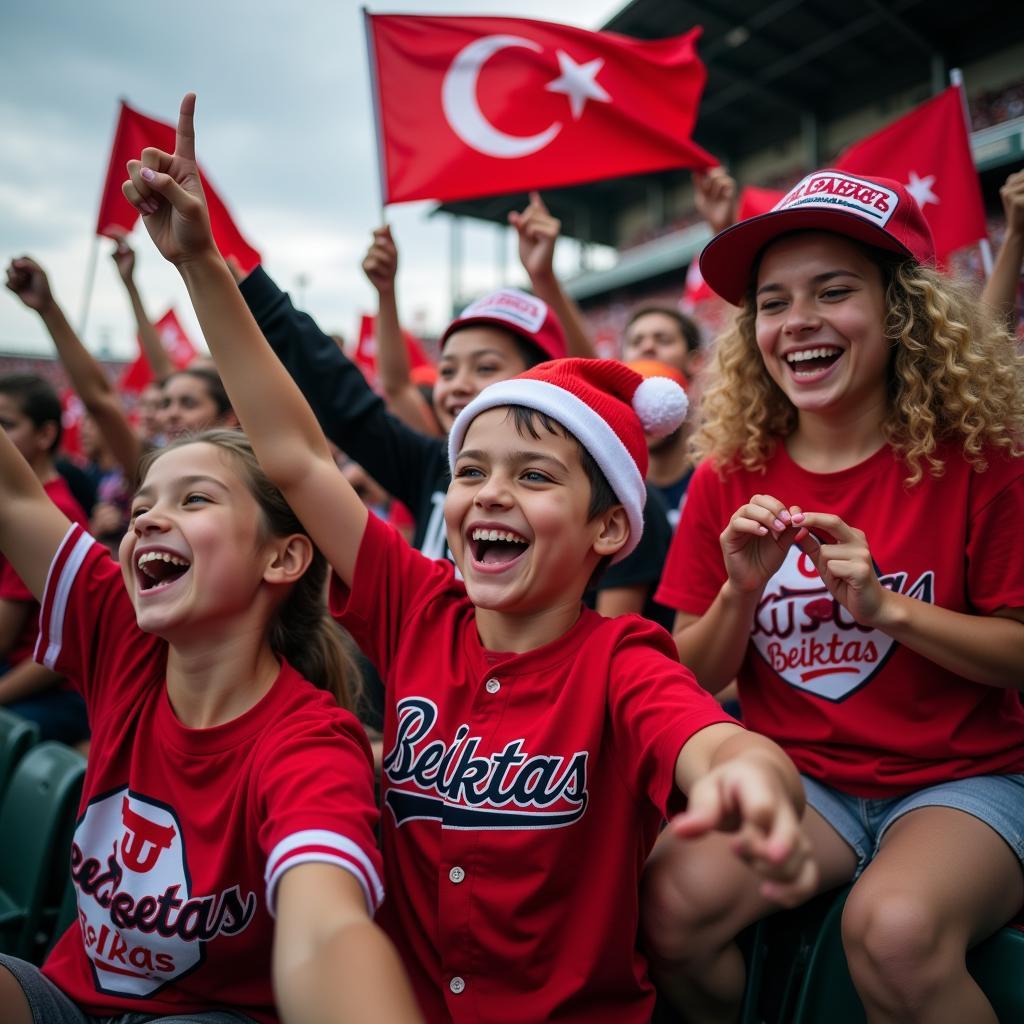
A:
[777,70]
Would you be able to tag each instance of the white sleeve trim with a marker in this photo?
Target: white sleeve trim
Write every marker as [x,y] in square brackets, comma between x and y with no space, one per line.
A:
[339,850]
[57,597]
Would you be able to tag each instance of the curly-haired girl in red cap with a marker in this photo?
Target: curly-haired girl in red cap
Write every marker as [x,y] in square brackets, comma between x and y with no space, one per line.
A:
[850,551]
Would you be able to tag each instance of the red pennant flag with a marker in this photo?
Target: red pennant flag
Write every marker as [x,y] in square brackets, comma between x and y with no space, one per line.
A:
[482,106]
[178,345]
[117,216]
[752,203]
[929,152]
[365,356]
[72,413]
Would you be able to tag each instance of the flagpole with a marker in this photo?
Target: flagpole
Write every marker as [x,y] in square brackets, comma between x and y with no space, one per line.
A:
[956,78]
[371,63]
[90,281]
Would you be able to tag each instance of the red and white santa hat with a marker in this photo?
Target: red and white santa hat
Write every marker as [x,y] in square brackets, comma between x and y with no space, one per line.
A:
[522,314]
[606,406]
[876,211]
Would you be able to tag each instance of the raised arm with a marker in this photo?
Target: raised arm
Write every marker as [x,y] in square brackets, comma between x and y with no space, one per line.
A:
[403,461]
[29,282]
[331,963]
[283,430]
[381,268]
[153,348]
[1000,291]
[538,232]
[31,526]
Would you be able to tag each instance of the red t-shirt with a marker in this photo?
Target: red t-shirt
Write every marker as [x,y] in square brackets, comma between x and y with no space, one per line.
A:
[522,794]
[849,705]
[11,587]
[183,834]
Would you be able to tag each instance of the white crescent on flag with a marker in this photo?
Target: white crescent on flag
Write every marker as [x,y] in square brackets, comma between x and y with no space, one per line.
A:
[458,97]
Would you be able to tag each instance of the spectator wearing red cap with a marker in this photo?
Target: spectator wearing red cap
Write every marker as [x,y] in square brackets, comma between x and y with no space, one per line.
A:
[850,551]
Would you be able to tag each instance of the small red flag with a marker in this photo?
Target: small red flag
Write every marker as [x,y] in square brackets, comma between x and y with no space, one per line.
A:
[928,150]
[365,356]
[178,345]
[482,106]
[117,216]
[72,413]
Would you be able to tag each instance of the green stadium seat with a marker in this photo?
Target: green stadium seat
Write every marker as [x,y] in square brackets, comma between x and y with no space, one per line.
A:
[35,817]
[16,737]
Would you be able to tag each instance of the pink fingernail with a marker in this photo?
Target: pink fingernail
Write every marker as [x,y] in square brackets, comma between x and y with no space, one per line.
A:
[798,518]
[779,525]
[784,516]
[148,173]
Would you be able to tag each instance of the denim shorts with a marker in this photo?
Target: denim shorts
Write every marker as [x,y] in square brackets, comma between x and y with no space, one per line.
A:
[49,1005]
[997,800]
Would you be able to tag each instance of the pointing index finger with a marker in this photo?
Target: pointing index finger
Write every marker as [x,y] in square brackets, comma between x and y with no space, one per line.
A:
[185,139]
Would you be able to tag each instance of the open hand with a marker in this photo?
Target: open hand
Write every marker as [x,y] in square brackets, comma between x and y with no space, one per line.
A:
[380,264]
[757,539]
[846,568]
[747,796]
[29,282]
[166,190]
[538,231]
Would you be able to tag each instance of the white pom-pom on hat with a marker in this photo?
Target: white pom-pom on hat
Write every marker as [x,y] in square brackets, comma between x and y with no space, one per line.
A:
[661,405]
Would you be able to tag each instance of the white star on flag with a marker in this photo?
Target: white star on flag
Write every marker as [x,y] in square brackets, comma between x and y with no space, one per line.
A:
[921,189]
[577,81]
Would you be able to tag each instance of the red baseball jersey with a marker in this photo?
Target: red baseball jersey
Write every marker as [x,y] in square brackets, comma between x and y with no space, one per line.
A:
[183,834]
[849,705]
[522,793]
[11,586]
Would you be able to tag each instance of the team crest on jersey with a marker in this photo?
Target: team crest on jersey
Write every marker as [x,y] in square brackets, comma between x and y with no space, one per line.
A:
[812,641]
[141,925]
[453,784]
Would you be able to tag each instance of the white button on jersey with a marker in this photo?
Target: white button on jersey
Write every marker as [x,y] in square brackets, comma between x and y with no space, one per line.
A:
[456,874]
[492,686]
[457,985]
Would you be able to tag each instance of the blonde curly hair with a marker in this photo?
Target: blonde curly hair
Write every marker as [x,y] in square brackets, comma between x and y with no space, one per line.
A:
[955,374]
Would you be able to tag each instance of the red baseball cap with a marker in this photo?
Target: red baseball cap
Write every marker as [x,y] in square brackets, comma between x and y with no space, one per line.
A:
[519,312]
[876,211]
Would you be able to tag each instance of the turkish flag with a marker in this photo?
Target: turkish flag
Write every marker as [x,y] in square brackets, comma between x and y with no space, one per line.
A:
[117,216]
[929,151]
[365,356]
[482,106]
[178,345]
[752,203]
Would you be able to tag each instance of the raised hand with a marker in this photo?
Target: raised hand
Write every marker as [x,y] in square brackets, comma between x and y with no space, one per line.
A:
[166,190]
[748,797]
[714,195]
[124,259]
[846,568]
[1012,196]
[757,539]
[29,282]
[538,231]
[380,264]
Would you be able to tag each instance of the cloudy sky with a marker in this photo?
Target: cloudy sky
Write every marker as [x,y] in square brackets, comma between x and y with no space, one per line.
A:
[284,130]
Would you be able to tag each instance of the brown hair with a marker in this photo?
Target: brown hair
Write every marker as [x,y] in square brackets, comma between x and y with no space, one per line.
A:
[955,373]
[302,632]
